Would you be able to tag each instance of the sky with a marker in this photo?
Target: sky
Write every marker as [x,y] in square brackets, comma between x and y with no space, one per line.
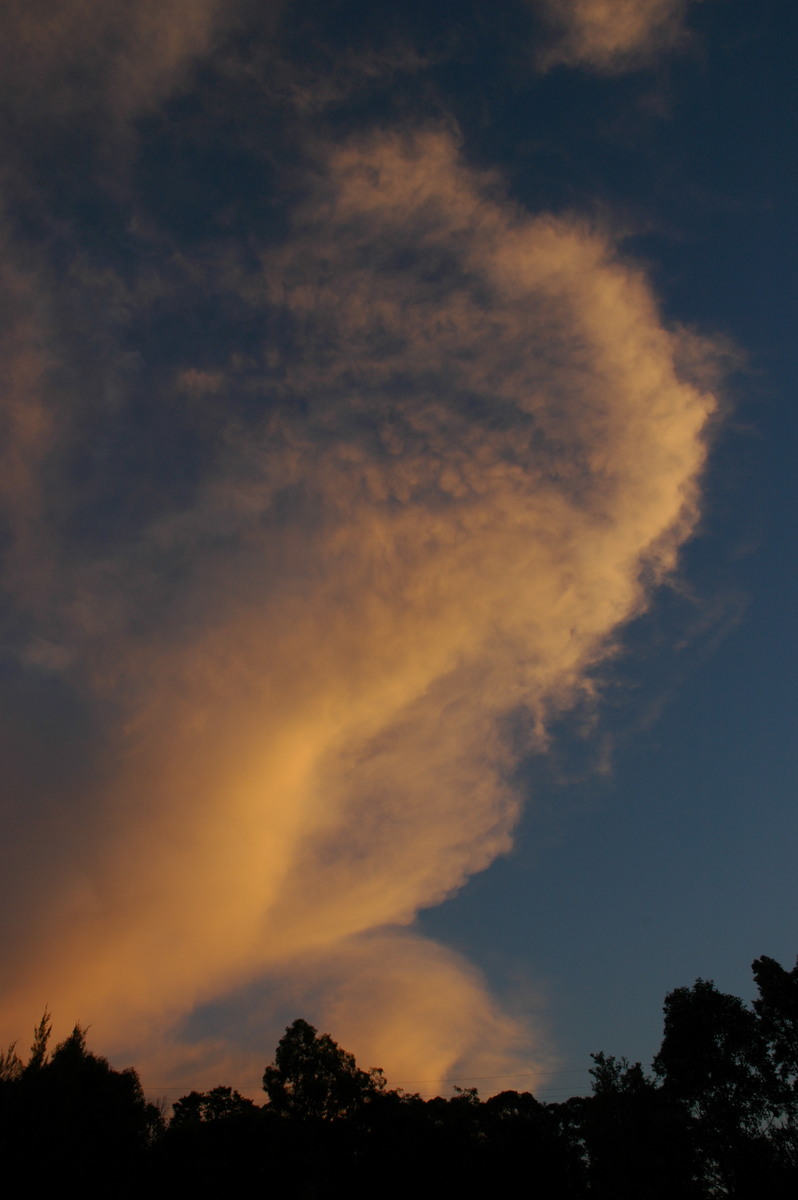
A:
[397,563]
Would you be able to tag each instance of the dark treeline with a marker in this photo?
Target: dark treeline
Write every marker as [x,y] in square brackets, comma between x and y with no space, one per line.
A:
[717,1116]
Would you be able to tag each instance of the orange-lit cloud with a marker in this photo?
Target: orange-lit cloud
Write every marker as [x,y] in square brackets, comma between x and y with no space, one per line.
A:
[611,35]
[480,454]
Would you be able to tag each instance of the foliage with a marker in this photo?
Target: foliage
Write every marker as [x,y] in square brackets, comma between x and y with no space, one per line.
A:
[221,1103]
[635,1138]
[41,1037]
[313,1078]
[72,1114]
[614,1076]
[714,1058]
[714,1062]
[10,1064]
[717,1118]
[777,1009]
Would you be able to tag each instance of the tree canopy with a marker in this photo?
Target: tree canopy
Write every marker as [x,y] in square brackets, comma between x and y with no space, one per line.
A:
[715,1118]
[312,1077]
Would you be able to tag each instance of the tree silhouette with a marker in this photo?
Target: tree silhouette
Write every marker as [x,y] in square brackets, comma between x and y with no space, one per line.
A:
[635,1136]
[73,1115]
[219,1104]
[313,1078]
[718,1118]
[777,1009]
[714,1062]
[41,1038]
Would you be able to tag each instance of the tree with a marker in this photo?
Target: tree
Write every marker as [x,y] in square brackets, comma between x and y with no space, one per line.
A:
[219,1104]
[11,1065]
[313,1078]
[74,1116]
[41,1037]
[634,1136]
[714,1062]
[777,1009]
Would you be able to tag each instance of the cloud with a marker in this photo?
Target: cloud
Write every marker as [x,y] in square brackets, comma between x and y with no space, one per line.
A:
[100,56]
[610,36]
[414,1002]
[458,451]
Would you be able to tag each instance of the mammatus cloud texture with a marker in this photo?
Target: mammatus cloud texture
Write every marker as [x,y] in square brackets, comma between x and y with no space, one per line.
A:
[611,35]
[290,604]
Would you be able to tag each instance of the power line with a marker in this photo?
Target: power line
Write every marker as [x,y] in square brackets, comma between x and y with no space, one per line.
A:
[403,1083]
